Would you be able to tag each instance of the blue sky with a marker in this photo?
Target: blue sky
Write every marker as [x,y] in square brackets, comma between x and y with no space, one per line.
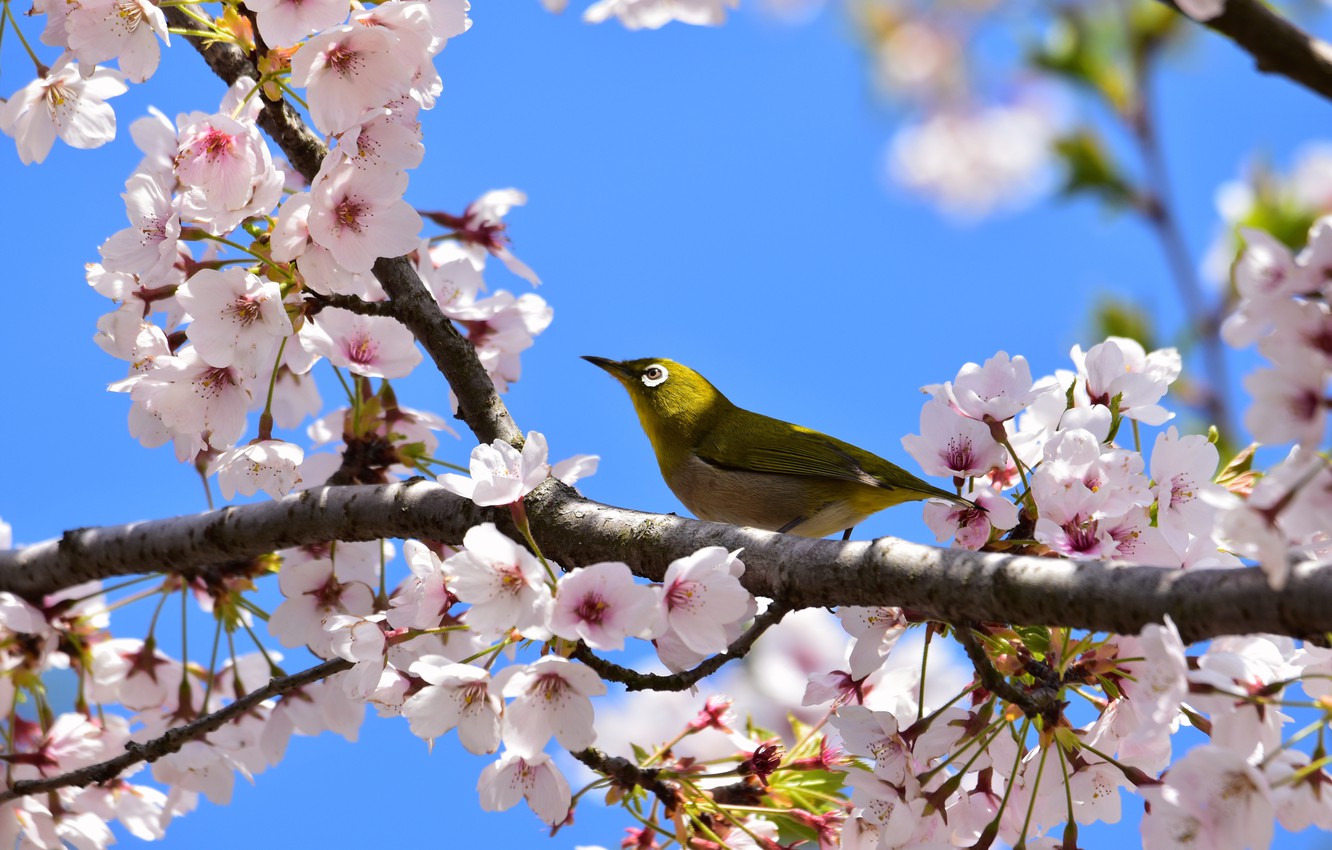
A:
[712,196]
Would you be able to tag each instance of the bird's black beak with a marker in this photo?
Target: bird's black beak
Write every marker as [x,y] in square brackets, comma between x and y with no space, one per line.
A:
[615,367]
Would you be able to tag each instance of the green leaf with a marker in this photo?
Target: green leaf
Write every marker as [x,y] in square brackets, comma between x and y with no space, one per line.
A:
[1089,170]
[1035,638]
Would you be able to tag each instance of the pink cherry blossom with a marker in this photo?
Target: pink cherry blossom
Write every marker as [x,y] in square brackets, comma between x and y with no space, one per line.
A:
[1212,798]
[374,346]
[502,582]
[997,391]
[531,777]
[1182,469]
[701,595]
[876,631]
[382,144]
[349,70]
[971,527]
[601,605]
[360,216]
[192,398]
[424,598]
[314,592]
[147,247]
[551,697]
[500,328]
[64,103]
[101,30]
[481,230]
[286,22]
[654,14]
[225,170]
[238,318]
[953,445]
[1288,403]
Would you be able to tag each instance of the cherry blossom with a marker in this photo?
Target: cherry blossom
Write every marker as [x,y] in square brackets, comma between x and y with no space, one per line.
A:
[100,30]
[654,14]
[551,697]
[64,103]
[1182,468]
[360,216]
[1121,367]
[148,247]
[269,465]
[970,161]
[425,598]
[194,399]
[995,392]
[481,230]
[238,318]
[457,696]
[951,444]
[504,584]
[286,22]
[1212,798]
[501,474]
[374,346]
[601,605]
[349,70]
[225,170]
[971,527]
[530,777]
[876,631]
[701,595]
[314,592]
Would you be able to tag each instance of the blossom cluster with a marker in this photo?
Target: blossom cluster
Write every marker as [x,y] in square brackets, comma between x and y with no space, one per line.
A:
[212,335]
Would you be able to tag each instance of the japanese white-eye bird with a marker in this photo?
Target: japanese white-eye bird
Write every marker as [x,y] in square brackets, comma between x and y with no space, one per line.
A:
[728,464]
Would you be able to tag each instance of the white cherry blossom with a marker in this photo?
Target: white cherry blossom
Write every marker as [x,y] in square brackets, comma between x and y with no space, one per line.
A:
[64,103]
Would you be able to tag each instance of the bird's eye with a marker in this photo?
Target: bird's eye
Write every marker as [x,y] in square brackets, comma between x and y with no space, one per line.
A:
[654,375]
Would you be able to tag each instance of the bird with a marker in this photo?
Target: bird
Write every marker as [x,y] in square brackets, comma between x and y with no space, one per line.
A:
[728,464]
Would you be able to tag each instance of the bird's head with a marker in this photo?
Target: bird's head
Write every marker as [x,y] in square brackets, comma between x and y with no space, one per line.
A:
[672,400]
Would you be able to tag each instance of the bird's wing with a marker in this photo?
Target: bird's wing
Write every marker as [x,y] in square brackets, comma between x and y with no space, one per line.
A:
[771,445]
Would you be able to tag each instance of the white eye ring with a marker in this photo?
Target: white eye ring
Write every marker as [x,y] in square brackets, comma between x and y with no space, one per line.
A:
[654,375]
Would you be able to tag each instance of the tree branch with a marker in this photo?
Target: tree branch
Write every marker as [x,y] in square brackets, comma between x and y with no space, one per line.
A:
[951,585]
[173,739]
[1041,701]
[628,775]
[1276,45]
[636,681]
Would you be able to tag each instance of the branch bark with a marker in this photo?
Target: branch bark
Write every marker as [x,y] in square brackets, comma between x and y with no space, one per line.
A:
[951,585]
[1276,45]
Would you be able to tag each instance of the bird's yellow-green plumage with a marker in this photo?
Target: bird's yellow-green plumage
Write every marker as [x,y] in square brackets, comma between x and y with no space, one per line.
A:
[729,464]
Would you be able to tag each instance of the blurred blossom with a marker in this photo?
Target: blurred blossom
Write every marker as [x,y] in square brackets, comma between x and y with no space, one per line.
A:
[972,162]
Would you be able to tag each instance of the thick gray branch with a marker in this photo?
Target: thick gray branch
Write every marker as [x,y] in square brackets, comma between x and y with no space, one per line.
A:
[952,585]
[1276,45]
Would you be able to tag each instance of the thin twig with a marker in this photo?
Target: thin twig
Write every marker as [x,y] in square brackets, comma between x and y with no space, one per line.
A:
[636,681]
[351,304]
[628,775]
[1033,703]
[173,739]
